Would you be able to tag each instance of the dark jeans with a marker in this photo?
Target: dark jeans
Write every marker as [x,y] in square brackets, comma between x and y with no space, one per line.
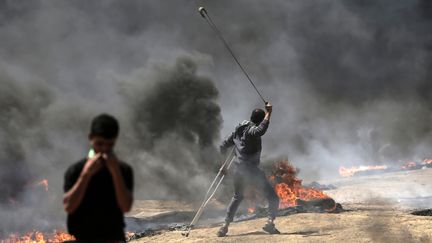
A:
[245,175]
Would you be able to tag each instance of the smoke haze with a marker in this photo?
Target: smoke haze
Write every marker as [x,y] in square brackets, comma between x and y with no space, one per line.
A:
[349,80]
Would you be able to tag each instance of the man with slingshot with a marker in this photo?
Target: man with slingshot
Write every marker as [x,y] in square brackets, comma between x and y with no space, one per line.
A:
[246,140]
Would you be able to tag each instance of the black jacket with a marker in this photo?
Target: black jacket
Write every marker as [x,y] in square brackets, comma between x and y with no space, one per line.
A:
[247,141]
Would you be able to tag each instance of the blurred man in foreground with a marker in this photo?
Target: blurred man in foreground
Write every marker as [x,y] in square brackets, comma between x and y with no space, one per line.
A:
[98,188]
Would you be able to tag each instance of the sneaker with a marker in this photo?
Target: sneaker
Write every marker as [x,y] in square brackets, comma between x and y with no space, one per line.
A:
[270,228]
[222,231]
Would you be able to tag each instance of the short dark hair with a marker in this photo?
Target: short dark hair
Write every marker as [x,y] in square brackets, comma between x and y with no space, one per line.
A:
[105,126]
[257,116]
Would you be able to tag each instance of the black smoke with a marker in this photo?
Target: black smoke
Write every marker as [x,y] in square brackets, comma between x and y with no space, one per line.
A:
[175,117]
[17,119]
[350,83]
[179,102]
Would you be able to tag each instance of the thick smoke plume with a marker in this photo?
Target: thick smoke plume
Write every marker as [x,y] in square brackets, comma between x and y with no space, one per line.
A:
[350,83]
[174,118]
[178,101]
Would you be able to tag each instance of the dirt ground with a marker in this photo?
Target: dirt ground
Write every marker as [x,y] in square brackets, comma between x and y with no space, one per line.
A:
[378,206]
[149,208]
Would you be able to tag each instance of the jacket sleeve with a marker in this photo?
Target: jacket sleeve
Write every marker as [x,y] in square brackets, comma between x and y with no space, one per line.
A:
[258,131]
[228,142]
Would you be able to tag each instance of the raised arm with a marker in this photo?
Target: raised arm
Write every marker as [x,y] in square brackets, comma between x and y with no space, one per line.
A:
[124,196]
[261,129]
[74,195]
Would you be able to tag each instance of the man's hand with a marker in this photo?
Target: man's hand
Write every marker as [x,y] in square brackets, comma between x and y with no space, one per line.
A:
[123,195]
[73,198]
[93,165]
[111,161]
[269,107]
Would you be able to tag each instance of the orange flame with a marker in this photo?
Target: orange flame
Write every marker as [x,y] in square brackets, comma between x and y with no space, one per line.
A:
[251,210]
[39,237]
[427,161]
[289,188]
[43,183]
[129,235]
[409,165]
[346,172]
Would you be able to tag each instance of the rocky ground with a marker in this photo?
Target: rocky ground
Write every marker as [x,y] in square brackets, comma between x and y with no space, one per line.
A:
[379,210]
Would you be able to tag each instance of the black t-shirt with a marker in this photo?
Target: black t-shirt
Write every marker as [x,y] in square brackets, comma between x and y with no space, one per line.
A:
[98,217]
